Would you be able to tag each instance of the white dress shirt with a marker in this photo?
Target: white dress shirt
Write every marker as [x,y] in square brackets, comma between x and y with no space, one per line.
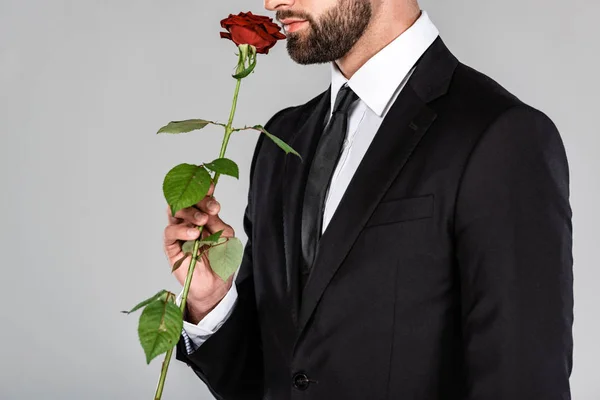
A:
[377,83]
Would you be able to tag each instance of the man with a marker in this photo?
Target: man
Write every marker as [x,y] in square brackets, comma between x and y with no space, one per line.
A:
[421,250]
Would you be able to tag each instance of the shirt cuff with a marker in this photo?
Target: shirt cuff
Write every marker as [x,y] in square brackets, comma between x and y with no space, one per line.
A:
[195,335]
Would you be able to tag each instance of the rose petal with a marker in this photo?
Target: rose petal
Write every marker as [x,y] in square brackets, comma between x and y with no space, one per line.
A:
[256,30]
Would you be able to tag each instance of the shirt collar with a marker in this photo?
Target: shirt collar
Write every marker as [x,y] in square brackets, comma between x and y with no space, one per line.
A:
[377,80]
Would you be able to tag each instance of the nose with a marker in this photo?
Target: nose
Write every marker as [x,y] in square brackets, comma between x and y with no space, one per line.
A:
[275,5]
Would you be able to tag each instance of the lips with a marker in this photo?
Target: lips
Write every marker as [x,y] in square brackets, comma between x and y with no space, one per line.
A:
[292,25]
[288,21]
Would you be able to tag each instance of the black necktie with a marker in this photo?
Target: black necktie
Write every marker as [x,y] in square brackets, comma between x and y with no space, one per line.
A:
[324,162]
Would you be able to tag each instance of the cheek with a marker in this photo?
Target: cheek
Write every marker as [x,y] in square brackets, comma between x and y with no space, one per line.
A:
[317,8]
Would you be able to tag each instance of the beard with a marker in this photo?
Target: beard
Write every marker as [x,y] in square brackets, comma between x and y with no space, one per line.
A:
[333,36]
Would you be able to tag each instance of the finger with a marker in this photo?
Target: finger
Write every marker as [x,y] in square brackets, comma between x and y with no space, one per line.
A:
[174,233]
[215,224]
[209,205]
[171,218]
[211,189]
[192,215]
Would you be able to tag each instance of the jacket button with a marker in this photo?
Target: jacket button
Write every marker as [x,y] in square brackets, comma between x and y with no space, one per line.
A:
[301,381]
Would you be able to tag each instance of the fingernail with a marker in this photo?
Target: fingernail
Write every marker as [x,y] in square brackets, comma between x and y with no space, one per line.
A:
[192,232]
[199,216]
[212,205]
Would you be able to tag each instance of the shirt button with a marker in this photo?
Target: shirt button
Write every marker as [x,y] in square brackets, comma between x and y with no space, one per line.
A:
[301,381]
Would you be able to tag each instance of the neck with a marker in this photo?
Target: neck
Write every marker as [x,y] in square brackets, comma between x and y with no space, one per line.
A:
[381,31]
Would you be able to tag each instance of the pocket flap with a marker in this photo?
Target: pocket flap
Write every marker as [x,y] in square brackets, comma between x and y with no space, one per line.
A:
[405,209]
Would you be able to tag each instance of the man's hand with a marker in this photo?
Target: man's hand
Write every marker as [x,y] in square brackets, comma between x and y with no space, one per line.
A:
[207,288]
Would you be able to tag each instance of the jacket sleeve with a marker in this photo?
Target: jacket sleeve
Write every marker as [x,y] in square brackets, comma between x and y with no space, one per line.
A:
[195,335]
[230,361]
[513,237]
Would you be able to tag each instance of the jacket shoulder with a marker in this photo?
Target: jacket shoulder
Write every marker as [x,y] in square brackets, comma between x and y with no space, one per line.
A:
[477,88]
[474,101]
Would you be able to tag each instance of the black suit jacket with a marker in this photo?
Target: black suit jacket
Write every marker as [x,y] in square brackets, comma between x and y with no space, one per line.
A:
[445,272]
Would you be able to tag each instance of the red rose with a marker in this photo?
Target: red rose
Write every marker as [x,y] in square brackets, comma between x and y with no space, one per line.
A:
[256,30]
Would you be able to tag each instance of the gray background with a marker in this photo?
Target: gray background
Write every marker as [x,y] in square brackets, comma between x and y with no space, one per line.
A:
[84,85]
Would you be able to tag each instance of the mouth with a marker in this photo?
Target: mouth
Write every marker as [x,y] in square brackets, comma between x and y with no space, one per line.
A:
[293,25]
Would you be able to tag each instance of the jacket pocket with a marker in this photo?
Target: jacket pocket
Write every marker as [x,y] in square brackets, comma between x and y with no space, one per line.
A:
[406,209]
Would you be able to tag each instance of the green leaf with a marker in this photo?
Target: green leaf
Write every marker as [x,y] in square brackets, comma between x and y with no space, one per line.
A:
[283,145]
[188,247]
[212,239]
[247,71]
[252,50]
[147,301]
[159,328]
[185,185]
[189,125]
[225,258]
[224,166]
[178,263]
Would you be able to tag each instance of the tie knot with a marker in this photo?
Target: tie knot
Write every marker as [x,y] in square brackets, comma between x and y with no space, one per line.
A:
[344,99]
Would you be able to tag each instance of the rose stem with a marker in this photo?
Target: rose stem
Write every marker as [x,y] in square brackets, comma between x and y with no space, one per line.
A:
[228,129]
[188,278]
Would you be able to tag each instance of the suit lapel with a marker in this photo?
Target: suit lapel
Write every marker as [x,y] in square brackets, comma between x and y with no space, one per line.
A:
[401,130]
[295,175]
